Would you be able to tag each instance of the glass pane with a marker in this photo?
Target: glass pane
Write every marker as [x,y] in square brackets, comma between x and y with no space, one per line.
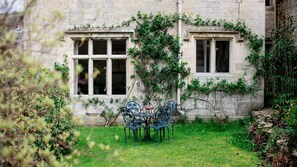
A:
[202,55]
[99,77]
[222,56]
[119,76]
[82,78]
[100,47]
[118,47]
[82,47]
[268,2]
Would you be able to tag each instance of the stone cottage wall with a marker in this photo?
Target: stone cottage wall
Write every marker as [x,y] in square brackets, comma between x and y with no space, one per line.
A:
[114,12]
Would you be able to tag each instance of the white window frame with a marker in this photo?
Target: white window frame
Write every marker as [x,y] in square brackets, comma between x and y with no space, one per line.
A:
[213,38]
[213,55]
[109,57]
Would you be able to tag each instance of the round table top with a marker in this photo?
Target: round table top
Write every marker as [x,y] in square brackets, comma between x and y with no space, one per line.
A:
[143,114]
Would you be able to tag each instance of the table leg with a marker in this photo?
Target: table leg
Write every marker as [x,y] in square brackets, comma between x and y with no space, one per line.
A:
[147,132]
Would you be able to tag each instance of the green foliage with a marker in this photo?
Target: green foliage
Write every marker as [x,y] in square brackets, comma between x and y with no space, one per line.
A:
[151,55]
[155,56]
[275,143]
[255,59]
[254,41]
[291,117]
[242,138]
[271,148]
[36,126]
[63,68]
[239,87]
[281,65]
[109,113]
[183,119]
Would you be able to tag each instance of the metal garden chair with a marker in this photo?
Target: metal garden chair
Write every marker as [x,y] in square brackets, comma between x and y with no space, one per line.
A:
[172,106]
[130,123]
[134,106]
[162,116]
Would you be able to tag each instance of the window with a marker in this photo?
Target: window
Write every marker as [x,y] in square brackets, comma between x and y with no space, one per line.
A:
[268,2]
[202,55]
[222,56]
[103,63]
[82,78]
[118,76]
[212,56]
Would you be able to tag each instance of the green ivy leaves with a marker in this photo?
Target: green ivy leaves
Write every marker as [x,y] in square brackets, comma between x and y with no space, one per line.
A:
[156,56]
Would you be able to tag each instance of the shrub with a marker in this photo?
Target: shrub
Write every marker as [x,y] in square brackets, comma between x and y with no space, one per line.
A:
[291,117]
[35,123]
[281,66]
[183,119]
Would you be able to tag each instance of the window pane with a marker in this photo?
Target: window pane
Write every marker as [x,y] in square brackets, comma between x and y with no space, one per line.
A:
[82,47]
[222,56]
[268,47]
[118,47]
[100,47]
[202,55]
[268,2]
[99,73]
[119,76]
[82,78]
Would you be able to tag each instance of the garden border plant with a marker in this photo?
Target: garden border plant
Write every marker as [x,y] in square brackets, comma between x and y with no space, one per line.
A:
[277,145]
[36,127]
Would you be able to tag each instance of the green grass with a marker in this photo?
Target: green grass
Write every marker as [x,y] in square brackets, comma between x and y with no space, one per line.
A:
[195,144]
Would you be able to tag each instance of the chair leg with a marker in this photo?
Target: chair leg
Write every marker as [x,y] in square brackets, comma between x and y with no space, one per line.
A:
[156,136]
[168,135]
[147,133]
[135,135]
[125,135]
[140,132]
[172,131]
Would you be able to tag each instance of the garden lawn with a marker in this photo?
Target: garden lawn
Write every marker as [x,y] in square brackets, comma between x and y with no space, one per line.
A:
[195,144]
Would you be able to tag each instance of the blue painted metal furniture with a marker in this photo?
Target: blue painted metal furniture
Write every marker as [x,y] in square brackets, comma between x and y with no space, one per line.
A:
[161,117]
[147,117]
[134,106]
[172,106]
[130,123]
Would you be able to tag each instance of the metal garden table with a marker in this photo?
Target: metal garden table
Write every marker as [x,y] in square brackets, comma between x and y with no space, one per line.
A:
[148,119]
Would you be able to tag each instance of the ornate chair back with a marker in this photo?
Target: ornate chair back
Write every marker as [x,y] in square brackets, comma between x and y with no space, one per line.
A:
[172,106]
[134,106]
[128,116]
[162,115]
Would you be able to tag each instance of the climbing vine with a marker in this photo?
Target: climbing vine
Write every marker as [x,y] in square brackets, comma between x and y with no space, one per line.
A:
[155,57]
[156,61]
[239,87]
[255,58]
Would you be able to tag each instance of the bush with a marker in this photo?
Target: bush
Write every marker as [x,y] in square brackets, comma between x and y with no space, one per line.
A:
[35,123]
[281,66]
[183,119]
[291,117]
